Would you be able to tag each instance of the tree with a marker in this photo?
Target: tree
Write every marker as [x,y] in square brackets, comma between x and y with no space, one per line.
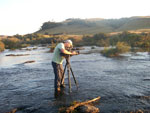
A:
[100,36]
[49,25]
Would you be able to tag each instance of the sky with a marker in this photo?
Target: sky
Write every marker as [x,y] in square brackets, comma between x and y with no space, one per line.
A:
[27,16]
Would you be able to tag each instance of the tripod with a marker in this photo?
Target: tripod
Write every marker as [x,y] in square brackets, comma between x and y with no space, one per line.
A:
[68,66]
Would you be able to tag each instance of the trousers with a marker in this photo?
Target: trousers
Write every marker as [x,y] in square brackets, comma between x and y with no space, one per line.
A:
[58,72]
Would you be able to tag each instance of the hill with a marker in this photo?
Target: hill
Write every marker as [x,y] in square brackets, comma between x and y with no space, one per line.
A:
[95,25]
[3,36]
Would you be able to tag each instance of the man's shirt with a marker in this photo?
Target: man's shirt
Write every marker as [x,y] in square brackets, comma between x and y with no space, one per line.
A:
[57,58]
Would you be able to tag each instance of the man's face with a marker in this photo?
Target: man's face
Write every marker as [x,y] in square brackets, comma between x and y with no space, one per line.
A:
[68,45]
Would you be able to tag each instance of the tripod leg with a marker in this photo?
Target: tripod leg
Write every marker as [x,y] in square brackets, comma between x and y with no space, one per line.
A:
[63,74]
[69,80]
[74,77]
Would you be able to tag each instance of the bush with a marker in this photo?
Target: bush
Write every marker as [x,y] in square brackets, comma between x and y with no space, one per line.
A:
[110,52]
[12,43]
[2,46]
[52,47]
[121,47]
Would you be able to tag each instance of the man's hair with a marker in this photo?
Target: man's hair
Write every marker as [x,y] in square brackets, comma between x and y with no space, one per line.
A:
[68,41]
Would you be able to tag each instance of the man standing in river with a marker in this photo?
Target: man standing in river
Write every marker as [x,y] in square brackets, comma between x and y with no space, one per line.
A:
[57,61]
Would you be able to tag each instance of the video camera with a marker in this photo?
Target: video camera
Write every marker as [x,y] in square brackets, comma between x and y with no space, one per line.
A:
[70,49]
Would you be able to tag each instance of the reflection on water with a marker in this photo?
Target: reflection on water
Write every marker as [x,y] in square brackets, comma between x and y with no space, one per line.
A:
[123,83]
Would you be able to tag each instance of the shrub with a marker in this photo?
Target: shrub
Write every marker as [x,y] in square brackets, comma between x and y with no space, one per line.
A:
[52,47]
[12,43]
[110,52]
[2,46]
[121,47]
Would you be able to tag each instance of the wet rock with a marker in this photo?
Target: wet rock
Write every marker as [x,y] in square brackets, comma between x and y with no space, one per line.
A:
[138,111]
[146,79]
[31,61]
[17,54]
[92,47]
[84,107]
[35,48]
[87,109]
[21,109]
[13,111]
[27,49]
[78,48]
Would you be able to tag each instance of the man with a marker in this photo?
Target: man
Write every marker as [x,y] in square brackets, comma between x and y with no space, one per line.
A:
[57,61]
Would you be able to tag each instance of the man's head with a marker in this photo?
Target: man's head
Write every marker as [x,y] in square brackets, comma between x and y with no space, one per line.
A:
[68,43]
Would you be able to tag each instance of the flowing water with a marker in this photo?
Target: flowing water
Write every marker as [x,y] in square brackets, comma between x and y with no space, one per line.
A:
[123,83]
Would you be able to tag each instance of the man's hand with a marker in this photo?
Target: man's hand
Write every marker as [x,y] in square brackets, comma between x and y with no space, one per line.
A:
[74,53]
[66,52]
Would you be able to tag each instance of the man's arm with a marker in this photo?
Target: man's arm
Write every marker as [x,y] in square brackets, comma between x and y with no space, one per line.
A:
[68,53]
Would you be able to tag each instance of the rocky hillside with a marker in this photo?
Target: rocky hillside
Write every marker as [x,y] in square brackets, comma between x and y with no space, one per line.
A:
[96,25]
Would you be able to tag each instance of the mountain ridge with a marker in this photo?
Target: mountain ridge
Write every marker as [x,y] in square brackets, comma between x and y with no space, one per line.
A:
[95,25]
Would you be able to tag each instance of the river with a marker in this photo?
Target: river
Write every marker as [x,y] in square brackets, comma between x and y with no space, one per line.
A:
[122,83]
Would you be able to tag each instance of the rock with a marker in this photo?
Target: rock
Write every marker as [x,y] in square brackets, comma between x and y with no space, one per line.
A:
[78,48]
[27,49]
[87,109]
[31,61]
[17,55]
[13,111]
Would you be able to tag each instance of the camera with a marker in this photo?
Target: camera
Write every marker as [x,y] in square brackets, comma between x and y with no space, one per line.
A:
[70,49]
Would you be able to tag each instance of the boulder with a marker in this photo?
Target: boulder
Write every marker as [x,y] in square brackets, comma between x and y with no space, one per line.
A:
[87,109]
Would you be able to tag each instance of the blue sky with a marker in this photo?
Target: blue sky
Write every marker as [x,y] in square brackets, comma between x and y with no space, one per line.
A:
[26,16]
